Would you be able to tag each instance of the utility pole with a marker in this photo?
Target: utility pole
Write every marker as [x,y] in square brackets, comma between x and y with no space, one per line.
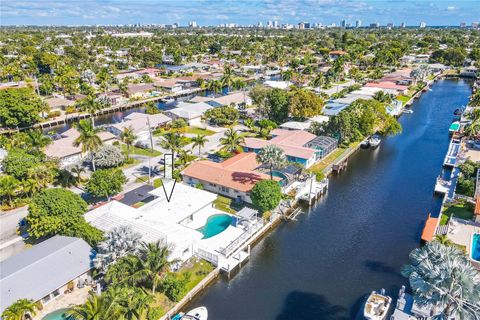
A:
[151,147]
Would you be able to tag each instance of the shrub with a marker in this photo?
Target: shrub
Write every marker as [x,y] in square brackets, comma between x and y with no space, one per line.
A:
[266,195]
[106,182]
[109,156]
[175,287]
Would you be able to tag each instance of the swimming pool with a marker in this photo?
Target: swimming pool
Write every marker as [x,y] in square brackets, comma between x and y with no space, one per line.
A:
[281,175]
[475,252]
[215,224]
[56,315]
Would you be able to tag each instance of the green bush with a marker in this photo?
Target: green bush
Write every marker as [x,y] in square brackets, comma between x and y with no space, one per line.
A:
[106,182]
[175,287]
[266,195]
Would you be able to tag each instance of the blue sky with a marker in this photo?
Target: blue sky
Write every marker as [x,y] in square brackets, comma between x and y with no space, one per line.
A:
[88,12]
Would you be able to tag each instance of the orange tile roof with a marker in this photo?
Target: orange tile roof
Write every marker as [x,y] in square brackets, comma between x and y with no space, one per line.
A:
[386,85]
[429,230]
[235,173]
[477,206]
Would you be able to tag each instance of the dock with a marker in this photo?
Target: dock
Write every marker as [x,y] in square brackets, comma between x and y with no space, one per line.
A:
[452,153]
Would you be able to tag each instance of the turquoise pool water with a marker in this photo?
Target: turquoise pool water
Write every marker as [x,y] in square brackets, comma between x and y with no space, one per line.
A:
[280,175]
[56,315]
[475,254]
[215,224]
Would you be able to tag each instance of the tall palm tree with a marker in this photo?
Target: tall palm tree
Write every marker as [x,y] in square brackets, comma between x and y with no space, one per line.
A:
[153,263]
[97,307]
[199,141]
[92,106]
[214,86]
[128,137]
[272,156]
[77,170]
[88,139]
[9,187]
[319,80]
[184,156]
[171,141]
[231,140]
[19,310]
[443,279]
[382,96]
[37,140]
[227,78]
[250,124]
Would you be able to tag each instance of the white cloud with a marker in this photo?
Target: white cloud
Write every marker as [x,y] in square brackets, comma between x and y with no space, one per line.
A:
[221,17]
[451,8]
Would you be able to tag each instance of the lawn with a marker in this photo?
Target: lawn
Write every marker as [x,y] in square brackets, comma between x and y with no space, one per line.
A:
[404,99]
[140,151]
[130,163]
[197,131]
[198,270]
[460,210]
[224,204]
[318,167]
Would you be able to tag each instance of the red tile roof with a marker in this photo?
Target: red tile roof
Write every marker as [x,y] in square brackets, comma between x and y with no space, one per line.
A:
[235,173]
[477,206]
[429,230]
[386,85]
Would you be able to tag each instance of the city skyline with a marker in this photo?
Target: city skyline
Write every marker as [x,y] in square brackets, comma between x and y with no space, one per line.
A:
[243,12]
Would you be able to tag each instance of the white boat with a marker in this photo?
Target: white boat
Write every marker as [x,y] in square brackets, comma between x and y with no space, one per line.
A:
[408,111]
[168,100]
[199,313]
[377,306]
[374,141]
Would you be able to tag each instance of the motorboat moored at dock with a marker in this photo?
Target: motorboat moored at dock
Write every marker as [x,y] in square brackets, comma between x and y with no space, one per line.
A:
[374,141]
[454,127]
[199,313]
[377,306]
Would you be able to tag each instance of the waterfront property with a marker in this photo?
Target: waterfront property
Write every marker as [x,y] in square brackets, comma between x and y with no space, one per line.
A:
[233,178]
[46,271]
[188,223]
[190,112]
[300,146]
[66,152]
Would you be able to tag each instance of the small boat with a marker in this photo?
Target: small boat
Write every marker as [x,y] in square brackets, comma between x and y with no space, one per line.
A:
[168,100]
[365,144]
[454,127]
[199,313]
[377,306]
[408,111]
[458,112]
[374,141]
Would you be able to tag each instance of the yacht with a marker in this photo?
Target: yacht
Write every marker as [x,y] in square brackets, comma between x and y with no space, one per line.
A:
[199,313]
[377,305]
[168,100]
[374,141]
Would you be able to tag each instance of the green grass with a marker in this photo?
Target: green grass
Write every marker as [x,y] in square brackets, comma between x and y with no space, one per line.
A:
[224,204]
[197,130]
[157,183]
[318,167]
[404,99]
[140,151]
[460,210]
[130,163]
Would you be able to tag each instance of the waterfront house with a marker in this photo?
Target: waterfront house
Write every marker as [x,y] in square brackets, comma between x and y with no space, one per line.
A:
[190,112]
[233,178]
[305,125]
[239,99]
[58,103]
[45,271]
[299,146]
[179,221]
[389,85]
[140,91]
[136,74]
[140,124]
[64,150]
[170,85]
[114,98]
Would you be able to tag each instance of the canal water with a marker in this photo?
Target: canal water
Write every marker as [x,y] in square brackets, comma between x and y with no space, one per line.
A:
[357,238]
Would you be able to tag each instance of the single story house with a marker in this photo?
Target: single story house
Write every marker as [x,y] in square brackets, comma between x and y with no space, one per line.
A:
[191,112]
[305,125]
[238,98]
[113,97]
[66,152]
[333,108]
[139,91]
[43,272]
[170,85]
[233,178]
[139,122]
[299,146]
[58,103]
[401,89]
[135,74]
[277,84]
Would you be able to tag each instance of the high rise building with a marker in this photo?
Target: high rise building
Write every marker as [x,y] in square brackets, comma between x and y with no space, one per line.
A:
[307,25]
[475,25]
[269,24]
[344,23]
[358,23]
[260,24]
[192,24]
[423,24]
[275,24]
[402,25]
[374,25]
[390,25]
[301,25]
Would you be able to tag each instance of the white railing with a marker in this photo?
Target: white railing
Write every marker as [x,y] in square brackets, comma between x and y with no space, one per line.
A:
[211,257]
[244,237]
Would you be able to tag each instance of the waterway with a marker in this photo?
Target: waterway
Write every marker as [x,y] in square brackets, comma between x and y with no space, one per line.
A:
[357,238]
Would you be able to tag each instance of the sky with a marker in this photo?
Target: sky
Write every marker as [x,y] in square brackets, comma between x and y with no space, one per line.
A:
[244,12]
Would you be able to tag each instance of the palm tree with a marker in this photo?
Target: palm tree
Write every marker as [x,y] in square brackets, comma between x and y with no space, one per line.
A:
[272,156]
[231,140]
[199,141]
[171,141]
[19,310]
[77,170]
[9,187]
[37,140]
[319,80]
[184,156]
[42,175]
[128,137]
[250,124]
[96,308]
[382,96]
[443,239]
[92,106]
[443,279]
[88,139]
[153,263]
[227,78]
[214,86]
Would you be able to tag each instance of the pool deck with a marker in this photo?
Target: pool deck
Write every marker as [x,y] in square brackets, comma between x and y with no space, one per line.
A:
[64,301]
[460,232]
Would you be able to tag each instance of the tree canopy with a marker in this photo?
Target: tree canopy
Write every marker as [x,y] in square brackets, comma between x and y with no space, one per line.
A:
[106,182]
[20,107]
[266,195]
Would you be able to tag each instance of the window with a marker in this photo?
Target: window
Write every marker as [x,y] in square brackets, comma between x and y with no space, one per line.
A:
[225,190]
[212,184]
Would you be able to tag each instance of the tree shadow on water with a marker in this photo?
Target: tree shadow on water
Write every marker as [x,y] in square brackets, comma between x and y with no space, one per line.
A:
[379,266]
[306,305]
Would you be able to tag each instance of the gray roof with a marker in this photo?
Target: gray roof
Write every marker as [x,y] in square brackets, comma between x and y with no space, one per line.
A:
[47,266]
